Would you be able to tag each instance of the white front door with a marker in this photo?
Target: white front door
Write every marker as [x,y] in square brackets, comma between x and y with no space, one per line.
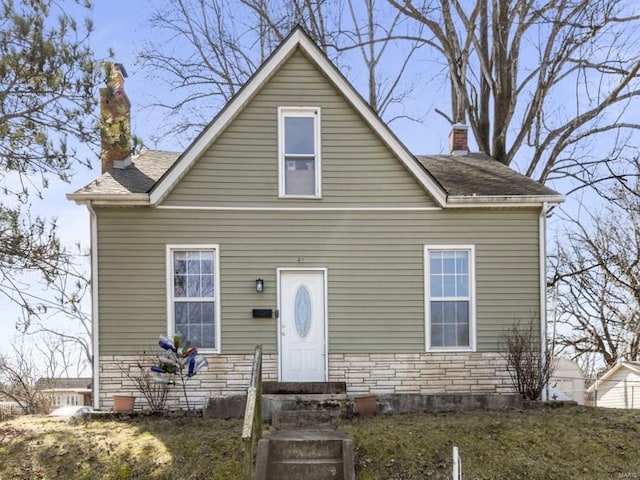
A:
[302,326]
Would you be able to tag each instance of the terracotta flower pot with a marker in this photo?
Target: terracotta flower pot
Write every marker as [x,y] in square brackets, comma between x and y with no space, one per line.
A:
[123,403]
[366,405]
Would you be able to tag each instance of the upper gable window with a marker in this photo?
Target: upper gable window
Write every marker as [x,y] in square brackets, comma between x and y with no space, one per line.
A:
[299,151]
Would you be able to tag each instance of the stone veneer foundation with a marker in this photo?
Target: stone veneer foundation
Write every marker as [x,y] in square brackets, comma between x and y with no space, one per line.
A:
[470,373]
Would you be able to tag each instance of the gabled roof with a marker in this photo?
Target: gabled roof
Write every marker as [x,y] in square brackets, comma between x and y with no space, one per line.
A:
[452,181]
[298,39]
[634,367]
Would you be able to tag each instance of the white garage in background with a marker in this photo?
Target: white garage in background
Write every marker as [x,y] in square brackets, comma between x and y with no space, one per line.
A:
[567,381]
[619,387]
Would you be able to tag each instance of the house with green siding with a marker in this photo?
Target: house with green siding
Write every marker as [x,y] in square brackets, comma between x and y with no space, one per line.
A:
[298,220]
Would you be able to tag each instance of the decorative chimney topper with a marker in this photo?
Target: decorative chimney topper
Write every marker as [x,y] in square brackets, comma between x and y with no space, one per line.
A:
[115,113]
[458,139]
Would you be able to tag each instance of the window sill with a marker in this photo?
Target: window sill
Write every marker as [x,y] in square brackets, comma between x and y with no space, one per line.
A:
[450,350]
[299,197]
[209,351]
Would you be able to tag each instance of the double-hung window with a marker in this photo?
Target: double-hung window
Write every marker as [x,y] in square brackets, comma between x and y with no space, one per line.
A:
[299,152]
[193,294]
[449,305]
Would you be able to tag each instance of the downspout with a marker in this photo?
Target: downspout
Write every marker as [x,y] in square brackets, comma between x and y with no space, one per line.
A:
[542,231]
[93,221]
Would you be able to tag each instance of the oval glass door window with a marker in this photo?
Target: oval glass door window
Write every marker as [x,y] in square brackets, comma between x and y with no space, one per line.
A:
[302,311]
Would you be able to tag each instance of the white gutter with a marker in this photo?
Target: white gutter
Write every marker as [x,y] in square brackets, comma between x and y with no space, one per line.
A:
[110,198]
[542,235]
[94,305]
[475,201]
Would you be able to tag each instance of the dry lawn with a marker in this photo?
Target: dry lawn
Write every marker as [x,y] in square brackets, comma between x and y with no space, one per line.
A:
[570,443]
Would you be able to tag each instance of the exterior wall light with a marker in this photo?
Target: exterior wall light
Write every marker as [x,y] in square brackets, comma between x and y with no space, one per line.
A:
[259,285]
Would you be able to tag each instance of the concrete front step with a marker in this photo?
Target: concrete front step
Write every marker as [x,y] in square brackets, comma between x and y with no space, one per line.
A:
[303,388]
[272,404]
[305,445]
[313,469]
[305,454]
[234,406]
[305,419]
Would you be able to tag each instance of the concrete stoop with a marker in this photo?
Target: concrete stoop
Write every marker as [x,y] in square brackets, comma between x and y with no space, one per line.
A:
[335,404]
[304,388]
[305,454]
[305,419]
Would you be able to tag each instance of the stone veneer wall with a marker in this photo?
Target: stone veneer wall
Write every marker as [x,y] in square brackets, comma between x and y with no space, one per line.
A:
[420,373]
[423,373]
[225,375]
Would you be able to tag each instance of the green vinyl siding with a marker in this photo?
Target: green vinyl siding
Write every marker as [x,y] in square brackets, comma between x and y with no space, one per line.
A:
[241,167]
[374,261]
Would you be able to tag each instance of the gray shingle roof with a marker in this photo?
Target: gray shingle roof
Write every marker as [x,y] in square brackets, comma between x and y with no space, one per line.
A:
[476,174]
[473,174]
[146,169]
[64,383]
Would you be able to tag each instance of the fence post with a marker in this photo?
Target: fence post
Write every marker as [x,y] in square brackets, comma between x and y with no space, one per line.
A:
[457,474]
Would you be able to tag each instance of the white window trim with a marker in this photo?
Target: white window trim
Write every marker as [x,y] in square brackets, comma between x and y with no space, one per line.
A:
[216,288]
[472,299]
[299,112]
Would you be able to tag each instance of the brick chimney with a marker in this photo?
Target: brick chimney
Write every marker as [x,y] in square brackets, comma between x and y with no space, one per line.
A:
[115,126]
[458,139]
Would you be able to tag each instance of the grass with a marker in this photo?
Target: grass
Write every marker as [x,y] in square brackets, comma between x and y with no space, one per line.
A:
[544,443]
[138,448]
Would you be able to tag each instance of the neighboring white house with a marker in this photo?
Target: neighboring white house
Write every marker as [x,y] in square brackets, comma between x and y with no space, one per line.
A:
[618,388]
[567,381]
[66,391]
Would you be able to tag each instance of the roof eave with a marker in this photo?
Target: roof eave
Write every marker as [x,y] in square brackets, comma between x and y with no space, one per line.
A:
[163,187]
[476,201]
[609,373]
[130,199]
[605,377]
[65,390]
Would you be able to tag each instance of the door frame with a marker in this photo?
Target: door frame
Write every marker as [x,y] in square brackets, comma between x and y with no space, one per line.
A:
[323,270]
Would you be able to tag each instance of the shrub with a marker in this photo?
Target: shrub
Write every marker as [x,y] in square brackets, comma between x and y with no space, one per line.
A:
[528,368]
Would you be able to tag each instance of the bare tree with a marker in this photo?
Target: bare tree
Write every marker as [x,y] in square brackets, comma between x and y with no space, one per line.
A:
[57,306]
[221,43]
[62,312]
[203,77]
[597,276]
[539,81]
[374,40]
[60,356]
[529,370]
[18,377]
